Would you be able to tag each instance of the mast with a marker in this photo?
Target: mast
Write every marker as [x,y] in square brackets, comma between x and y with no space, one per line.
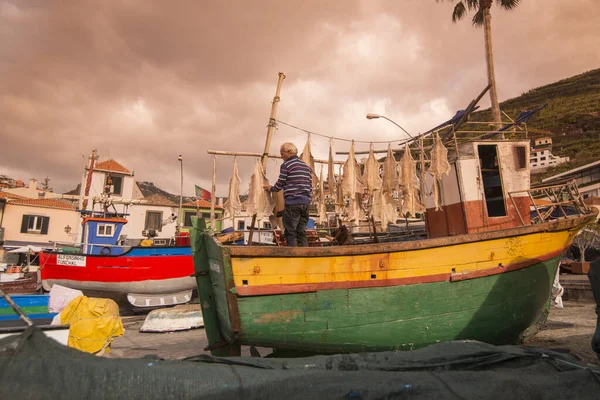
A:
[270,128]
[88,182]
[272,122]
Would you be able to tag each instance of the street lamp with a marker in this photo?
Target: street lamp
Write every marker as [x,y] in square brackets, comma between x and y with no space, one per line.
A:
[179,221]
[375,116]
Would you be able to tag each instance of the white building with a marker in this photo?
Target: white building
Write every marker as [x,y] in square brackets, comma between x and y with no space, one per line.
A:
[36,222]
[157,213]
[153,212]
[587,178]
[32,191]
[540,155]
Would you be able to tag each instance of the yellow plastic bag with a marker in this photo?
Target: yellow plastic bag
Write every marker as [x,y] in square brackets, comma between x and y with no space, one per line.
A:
[94,323]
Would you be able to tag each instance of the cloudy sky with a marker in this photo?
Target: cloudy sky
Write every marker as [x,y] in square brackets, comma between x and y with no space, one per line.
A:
[143,81]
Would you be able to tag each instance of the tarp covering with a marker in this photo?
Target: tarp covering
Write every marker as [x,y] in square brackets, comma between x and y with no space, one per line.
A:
[94,323]
[35,367]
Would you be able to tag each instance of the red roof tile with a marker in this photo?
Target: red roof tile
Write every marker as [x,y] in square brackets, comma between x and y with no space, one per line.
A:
[112,166]
[158,200]
[44,203]
[201,204]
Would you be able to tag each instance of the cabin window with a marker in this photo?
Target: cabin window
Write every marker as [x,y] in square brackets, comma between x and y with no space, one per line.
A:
[105,230]
[492,181]
[114,184]
[241,225]
[520,153]
[37,224]
[266,225]
[153,220]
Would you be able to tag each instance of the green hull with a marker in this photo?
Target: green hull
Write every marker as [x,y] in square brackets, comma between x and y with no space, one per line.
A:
[495,309]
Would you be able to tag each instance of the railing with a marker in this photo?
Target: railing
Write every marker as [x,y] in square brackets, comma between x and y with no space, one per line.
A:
[545,200]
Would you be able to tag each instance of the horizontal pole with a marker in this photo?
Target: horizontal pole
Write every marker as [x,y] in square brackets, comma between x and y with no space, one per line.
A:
[248,154]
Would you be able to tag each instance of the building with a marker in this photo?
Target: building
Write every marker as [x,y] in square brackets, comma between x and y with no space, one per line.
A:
[540,155]
[200,208]
[156,213]
[587,178]
[35,222]
[31,191]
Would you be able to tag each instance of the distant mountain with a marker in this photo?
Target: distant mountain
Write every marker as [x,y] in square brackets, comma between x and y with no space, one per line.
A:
[148,189]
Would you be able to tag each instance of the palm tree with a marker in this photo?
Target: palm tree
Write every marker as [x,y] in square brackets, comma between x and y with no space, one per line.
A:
[483,17]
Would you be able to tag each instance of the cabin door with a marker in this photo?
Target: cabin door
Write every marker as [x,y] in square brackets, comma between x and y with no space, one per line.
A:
[491,180]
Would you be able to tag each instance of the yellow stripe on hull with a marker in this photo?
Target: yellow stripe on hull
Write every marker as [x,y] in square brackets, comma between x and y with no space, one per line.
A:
[459,258]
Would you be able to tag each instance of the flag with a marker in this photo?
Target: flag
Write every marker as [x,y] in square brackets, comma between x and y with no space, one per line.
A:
[202,193]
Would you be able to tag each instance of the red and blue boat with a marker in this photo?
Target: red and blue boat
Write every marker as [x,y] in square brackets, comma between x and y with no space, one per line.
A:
[158,272]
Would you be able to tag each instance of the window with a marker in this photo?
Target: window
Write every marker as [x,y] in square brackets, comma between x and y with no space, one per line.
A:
[520,153]
[187,218]
[241,225]
[37,224]
[206,215]
[543,159]
[153,220]
[266,225]
[114,184]
[105,230]
[492,182]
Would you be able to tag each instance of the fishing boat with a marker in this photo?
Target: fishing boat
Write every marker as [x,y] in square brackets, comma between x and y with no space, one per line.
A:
[35,310]
[156,273]
[484,272]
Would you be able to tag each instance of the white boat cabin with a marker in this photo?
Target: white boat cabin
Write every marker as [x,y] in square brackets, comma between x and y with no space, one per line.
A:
[474,197]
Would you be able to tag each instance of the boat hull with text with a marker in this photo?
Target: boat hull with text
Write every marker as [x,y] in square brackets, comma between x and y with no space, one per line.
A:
[146,276]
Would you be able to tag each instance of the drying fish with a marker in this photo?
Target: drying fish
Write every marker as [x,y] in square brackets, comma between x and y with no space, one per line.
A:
[259,199]
[277,219]
[390,173]
[331,170]
[307,157]
[384,208]
[340,202]
[371,178]
[351,183]
[409,184]
[321,205]
[439,167]
[233,205]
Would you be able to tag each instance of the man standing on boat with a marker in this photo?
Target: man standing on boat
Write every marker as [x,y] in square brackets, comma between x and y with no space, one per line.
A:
[295,178]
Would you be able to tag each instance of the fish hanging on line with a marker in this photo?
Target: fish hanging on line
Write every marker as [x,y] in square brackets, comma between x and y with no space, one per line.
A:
[321,205]
[439,166]
[308,158]
[351,183]
[331,171]
[233,205]
[340,202]
[260,201]
[371,178]
[409,185]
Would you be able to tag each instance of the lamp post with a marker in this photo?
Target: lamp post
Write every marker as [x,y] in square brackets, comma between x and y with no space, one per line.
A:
[179,216]
[375,116]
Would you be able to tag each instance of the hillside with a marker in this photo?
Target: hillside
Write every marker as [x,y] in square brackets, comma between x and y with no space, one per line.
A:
[148,189]
[572,117]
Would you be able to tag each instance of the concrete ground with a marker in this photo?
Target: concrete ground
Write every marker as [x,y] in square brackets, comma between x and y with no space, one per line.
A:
[568,329]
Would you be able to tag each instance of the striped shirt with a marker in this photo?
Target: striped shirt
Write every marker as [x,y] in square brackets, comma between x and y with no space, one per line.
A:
[295,178]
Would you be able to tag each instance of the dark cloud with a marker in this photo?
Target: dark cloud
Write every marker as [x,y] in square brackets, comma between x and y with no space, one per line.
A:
[145,81]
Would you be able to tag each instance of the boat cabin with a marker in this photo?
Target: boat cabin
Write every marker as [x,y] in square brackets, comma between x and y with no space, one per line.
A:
[486,189]
[101,235]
